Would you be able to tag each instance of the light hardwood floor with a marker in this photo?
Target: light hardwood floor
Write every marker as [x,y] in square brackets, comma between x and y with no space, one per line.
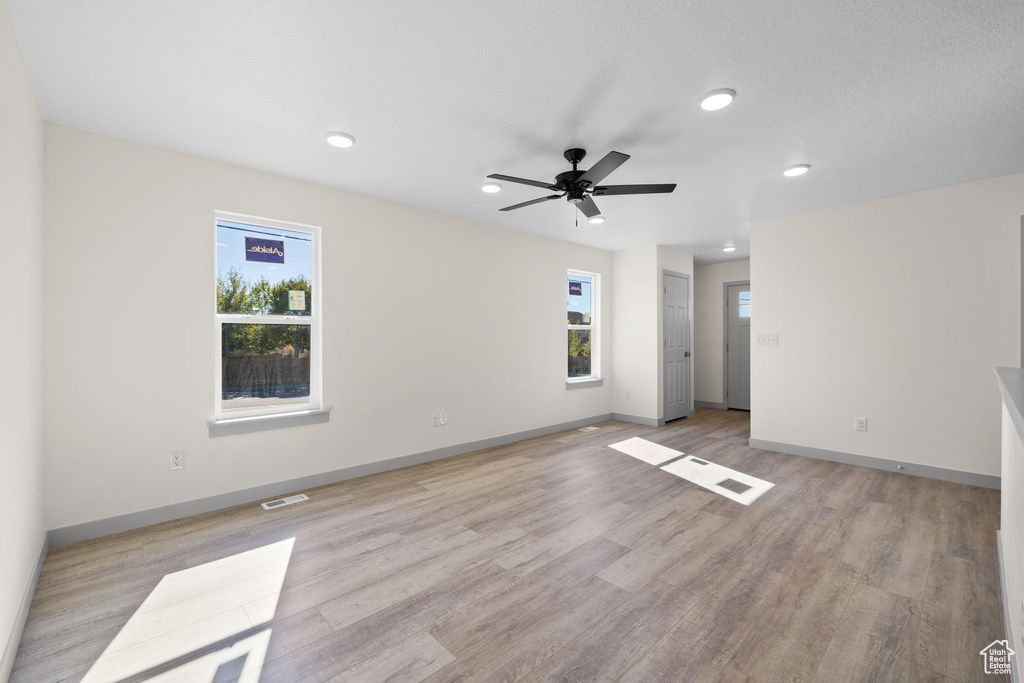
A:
[555,558]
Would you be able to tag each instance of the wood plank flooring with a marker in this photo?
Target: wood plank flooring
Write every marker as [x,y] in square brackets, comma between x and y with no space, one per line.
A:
[552,559]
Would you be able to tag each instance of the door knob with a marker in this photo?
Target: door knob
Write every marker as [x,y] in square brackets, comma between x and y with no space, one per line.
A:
[686,354]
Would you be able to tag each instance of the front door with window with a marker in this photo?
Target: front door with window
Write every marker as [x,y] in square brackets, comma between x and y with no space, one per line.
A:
[737,348]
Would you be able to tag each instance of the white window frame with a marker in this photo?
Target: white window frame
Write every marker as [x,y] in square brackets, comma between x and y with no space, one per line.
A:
[313,320]
[594,378]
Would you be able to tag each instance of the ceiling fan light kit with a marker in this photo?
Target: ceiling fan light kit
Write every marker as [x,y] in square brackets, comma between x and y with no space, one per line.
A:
[579,187]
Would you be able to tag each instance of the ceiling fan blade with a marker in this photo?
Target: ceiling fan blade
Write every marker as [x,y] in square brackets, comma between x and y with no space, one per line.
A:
[607,190]
[522,181]
[600,170]
[588,207]
[532,201]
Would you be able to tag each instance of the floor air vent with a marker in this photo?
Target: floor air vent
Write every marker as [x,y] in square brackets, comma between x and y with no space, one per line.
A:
[285,501]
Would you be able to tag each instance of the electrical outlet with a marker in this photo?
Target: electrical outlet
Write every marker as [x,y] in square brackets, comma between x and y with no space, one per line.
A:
[443,418]
[860,424]
[629,394]
[435,419]
[177,460]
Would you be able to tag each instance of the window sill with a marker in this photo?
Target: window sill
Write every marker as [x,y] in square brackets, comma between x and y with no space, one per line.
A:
[261,423]
[583,383]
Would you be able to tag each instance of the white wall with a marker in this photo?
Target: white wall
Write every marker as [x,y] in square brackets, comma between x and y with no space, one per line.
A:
[635,365]
[709,326]
[637,333]
[423,312]
[21,280]
[895,310]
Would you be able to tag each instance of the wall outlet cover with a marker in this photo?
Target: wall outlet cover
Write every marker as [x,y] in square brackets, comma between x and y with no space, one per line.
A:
[443,418]
[177,460]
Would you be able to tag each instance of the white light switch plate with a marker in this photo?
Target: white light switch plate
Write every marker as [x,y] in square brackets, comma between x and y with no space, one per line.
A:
[767,339]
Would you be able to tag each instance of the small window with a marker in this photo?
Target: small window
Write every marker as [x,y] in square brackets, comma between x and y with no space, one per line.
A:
[744,304]
[266,310]
[582,325]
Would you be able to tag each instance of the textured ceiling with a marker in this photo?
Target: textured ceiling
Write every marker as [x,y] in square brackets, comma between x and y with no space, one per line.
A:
[881,97]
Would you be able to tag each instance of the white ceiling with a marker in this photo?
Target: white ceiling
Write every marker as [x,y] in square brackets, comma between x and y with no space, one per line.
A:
[882,97]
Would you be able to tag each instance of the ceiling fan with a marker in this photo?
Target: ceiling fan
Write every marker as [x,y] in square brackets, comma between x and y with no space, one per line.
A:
[581,186]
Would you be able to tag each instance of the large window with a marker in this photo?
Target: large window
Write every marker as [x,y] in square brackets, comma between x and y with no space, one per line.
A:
[582,310]
[268,303]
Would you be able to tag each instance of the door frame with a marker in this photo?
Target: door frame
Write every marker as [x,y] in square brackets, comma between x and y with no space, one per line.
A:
[725,338]
[689,329]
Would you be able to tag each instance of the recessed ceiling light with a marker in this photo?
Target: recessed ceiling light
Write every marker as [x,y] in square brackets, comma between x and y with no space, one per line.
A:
[729,248]
[597,219]
[491,188]
[794,171]
[340,139]
[717,99]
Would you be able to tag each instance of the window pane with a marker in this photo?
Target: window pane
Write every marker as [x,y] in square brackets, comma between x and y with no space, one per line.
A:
[744,304]
[579,300]
[264,366]
[579,353]
[263,271]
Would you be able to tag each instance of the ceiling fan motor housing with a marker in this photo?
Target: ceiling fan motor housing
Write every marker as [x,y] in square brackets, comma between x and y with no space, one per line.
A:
[568,179]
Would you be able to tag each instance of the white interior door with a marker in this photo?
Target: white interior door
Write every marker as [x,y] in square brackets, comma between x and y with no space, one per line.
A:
[737,347]
[677,346]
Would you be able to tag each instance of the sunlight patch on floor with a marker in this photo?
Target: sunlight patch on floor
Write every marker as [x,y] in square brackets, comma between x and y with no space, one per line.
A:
[648,451]
[193,627]
[719,479]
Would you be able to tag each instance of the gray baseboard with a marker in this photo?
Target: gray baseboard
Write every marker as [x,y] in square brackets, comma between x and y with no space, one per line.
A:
[988,481]
[14,638]
[166,513]
[711,404]
[1008,624]
[649,421]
